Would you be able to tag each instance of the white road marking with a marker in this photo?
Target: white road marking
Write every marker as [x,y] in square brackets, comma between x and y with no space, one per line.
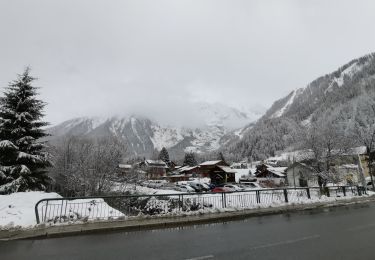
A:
[286,242]
[201,257]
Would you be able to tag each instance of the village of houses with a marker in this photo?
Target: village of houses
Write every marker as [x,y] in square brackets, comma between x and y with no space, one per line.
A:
[219,176]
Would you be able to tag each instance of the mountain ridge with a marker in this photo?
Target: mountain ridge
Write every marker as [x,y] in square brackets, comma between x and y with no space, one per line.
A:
[347,93]
[143,136]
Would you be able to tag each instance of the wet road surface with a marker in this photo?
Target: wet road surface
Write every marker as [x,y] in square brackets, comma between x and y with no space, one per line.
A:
[336,233]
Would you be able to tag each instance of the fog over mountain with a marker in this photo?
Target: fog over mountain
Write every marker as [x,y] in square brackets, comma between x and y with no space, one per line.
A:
[347,95]
[143,135]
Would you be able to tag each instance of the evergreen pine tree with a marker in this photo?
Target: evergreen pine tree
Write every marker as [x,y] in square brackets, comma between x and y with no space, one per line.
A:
[164,155]
[220,157]
[23,159]
[190,159]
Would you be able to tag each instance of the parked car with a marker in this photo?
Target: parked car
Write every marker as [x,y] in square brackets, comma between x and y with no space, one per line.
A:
[251,185]
[145,183]
[221,189]
[233,187]
[184,188]
[156,183]
[198,187]
[168,186]
[206,186]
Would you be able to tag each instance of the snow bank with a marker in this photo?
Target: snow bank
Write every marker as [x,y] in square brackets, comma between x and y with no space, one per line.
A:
[17,209]
[78,210]
[142,190]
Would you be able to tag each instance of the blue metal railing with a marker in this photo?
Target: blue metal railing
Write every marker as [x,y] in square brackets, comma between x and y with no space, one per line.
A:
[119,207]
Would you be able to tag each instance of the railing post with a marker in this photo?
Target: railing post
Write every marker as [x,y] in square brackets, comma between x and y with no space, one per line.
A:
[308,193]
[344,190]
[62,205]
[222,200]
[179,202]
[257,194]
[45,213]
[286,195]
[37,213]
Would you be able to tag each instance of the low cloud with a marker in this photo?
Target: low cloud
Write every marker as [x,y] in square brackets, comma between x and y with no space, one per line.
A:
[157,58]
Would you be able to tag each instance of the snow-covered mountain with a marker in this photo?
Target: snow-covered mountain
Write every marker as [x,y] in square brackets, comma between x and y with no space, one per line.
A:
[143,135]
[350,83]
[348,93]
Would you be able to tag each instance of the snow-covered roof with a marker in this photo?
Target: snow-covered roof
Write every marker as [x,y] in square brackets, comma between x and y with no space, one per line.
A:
[227,169]
[186,168]
[277,169]
[176,175]
[238,163]
[124,166]
[301,164]
[158,163]
[239,166]
[358,150]
[348,166]
[210,163]
[278,173]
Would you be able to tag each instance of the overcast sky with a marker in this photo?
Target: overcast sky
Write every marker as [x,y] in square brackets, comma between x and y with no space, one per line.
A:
[156,57]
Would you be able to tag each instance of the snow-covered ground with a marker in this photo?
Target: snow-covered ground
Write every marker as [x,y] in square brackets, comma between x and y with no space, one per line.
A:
[17,209]
[138,189]
[282,110]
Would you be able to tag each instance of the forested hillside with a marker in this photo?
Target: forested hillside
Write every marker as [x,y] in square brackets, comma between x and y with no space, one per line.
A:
[346,96]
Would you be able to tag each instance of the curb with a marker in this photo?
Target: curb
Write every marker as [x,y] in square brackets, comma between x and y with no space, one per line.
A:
[165,222]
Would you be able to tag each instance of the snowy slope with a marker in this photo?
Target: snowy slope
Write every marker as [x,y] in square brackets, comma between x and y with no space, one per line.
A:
[337,87]
[289,101]
[345,73]
[347,94]
[143,135]
[17,209]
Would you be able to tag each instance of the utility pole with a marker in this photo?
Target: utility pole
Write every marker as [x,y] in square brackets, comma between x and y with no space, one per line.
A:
[361,172]
[294,176]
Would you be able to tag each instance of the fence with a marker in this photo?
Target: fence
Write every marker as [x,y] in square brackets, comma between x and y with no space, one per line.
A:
[59,210]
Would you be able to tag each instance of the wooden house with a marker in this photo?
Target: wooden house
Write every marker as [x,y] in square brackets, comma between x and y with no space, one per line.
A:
[301,175]
[218,171]
[155,169]
[190,171]
[270,176]
[124,169]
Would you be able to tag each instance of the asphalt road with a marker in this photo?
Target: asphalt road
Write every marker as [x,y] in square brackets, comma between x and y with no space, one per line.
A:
[337,233]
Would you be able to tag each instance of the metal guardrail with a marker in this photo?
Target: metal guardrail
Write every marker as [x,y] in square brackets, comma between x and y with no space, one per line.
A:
[122,206]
